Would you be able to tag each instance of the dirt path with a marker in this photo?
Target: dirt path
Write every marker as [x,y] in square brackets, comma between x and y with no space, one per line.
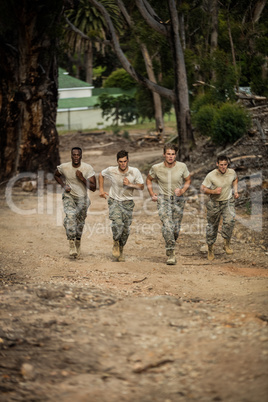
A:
[96,330]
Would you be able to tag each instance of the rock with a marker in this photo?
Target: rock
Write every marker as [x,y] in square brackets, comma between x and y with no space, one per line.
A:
[27,371]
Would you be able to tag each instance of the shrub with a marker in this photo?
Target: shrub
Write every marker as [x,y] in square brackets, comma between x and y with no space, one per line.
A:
[202,100]
[203,119]
[119,79]
[230,123]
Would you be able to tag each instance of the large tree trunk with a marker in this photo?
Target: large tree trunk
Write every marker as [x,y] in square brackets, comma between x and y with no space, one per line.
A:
[28,91]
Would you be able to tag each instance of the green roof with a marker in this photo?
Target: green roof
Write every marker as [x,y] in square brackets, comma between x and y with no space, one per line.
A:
[67,81]
[71,103]
[113,91]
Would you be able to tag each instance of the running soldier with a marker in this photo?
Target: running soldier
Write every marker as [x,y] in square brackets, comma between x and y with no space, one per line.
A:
[124,180]
[75,178]
[173,179]
[218,184]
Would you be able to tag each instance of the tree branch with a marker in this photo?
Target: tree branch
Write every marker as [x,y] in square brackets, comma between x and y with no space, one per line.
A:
[167,93]
[151,17]
[84,36]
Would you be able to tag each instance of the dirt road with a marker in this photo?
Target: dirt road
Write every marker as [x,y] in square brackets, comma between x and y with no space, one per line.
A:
[96,330]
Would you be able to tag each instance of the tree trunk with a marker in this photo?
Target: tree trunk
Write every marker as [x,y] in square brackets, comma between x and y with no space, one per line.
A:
[28,93]
[181,105]
[89,62]
[159,121]
[214,31]
[233,51]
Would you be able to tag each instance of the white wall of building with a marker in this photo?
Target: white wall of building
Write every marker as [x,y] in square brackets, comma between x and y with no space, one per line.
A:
[81,119]
[75,93]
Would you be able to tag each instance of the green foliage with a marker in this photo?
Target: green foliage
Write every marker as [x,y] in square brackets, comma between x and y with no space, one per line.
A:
[259,78]
[119,79]
[223,123]
[202,100]
[203,119]
[121,108]
[125,135]
[225,76]
[145,105]
[116,131]
[230,123]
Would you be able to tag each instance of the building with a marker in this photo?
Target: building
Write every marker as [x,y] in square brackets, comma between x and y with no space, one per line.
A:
[77,104]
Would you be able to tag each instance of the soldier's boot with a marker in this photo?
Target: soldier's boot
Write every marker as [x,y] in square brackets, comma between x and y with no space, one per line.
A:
[73,251]
[121,257]
[211,255]
[171,257]
[227,247]
[78,246]
[116,249]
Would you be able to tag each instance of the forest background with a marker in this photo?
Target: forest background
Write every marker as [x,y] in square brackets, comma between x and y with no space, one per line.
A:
[192,56]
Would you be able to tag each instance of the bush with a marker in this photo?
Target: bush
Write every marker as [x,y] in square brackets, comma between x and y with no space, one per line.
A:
[230,123]
[203,119]
[202,100]
[119,79]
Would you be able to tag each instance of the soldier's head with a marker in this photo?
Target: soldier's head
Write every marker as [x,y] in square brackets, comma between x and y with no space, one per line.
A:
[76,155]
[170,153]
[122,160]
[222,163]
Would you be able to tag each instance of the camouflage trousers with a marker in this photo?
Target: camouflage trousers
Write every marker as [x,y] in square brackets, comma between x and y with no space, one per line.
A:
[120,213]
[170,211]
[216,210]
[75,209]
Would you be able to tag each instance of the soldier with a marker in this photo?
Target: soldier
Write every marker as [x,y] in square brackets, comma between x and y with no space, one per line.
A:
[173,179]
[124,180]
[218,184]
[75,178]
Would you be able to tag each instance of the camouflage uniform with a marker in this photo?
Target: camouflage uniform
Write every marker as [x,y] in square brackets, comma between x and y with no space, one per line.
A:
[216,209]
[170,210]
[75,209]
[120,213]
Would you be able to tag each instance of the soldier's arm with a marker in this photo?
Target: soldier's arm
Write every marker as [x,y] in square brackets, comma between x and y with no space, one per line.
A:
[207,190]
[137,186]
[181,191]
[235,187]
[102,193]
[149,184]
[58,178]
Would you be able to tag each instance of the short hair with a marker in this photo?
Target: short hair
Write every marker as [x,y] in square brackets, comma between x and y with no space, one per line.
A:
[78,148]
[223,158]
[173,147]
[122,154]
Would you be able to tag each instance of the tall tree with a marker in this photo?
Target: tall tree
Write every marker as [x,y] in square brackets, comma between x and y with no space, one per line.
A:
[28,85]
[85,19]
[158,112]
[179,96]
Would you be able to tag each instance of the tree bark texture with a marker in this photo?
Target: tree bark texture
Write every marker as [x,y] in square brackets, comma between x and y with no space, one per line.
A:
[28,89]
[159,121]
[181,105]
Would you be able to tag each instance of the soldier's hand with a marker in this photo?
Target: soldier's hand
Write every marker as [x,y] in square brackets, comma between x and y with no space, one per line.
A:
[103,194]
[154,197]
[126,182]
[218,190]
[178,192]
[79,174]
[236,195]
